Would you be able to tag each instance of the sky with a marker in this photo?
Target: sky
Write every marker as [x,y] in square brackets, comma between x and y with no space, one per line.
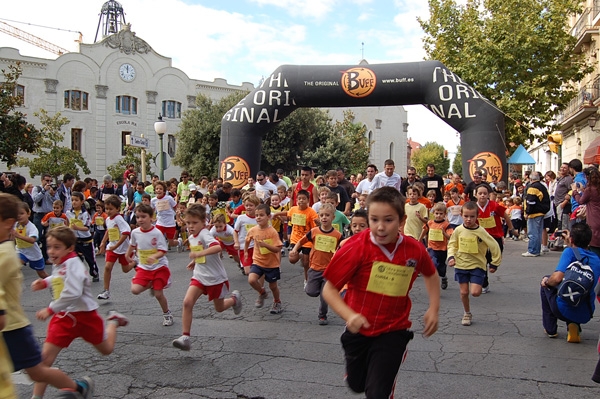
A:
[245,40]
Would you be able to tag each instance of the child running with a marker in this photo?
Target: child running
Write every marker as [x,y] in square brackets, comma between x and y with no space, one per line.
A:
[467,249]
[80,222]
[165,213]
[376,313]
[26,236]
[416,213]
[56,217]
[243,223]
[325,239]
[115,242]
[266,257]
[99,224]
[16,329]
[227,237]
[73,312]
[209,276]
[152,271]
[437,234]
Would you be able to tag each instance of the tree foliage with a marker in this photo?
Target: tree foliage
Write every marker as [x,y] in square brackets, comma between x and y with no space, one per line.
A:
[433,153]
[457,163]
[16,134]
[132,155]
[517,53]
[51,157]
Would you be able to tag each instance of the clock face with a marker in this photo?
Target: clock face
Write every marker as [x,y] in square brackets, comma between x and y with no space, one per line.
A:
[127,72]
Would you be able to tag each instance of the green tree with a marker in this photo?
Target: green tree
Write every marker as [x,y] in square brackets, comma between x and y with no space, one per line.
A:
[355,135]
[16,134]
[132,155]
[51,157]
[433,153]
[457,163]
[517,53]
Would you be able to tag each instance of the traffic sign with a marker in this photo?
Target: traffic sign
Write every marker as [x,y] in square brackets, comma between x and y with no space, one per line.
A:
[137,141]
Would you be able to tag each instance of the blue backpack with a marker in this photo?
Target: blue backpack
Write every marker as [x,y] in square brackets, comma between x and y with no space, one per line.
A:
[578,281]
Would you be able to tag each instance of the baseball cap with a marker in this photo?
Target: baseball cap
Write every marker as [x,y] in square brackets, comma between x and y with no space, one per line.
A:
[192,187]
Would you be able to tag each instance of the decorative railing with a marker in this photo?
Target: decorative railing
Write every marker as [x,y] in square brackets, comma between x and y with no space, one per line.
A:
[584,22]
[585,97]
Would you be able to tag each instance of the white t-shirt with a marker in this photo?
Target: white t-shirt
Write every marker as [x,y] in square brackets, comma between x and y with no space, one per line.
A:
[264,191]
[242,224]
[165,212]
[209,269]
[115,228]
[71,286]
[82,218]
[364,187]
[317,206]
[31,251]
[147,243]
[225,236]
[383,180]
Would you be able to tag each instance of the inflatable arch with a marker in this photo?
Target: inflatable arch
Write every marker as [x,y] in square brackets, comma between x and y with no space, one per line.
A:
[480,124]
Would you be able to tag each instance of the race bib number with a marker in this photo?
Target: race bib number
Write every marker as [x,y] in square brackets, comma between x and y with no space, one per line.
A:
[58,284]
[144,254]
[468,245]
[198,248]
[192,201]
[185,193]
[21,243]
[325,243]
[455,210]
[299,219]
[436,235]
[227,240]
[487,223]
[432,184]
[99,221]
[105,197]
[76,222]
[53,225]
[263,250]
[113,234]
[390,279]
[162,205]
[249,226]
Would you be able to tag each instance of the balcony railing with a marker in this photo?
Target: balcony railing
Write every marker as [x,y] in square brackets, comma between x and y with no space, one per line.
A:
[585,98]
[596,9]
[584,22]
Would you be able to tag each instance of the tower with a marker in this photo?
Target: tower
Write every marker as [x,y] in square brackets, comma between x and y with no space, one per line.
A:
[112,19]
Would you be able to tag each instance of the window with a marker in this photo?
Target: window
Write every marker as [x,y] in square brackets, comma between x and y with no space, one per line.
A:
[17,91]
[76,139]
[126,105]
[76,100]
[20,92]
[171,109]
[370,136]
[124,142]
[391,150]
[377,123]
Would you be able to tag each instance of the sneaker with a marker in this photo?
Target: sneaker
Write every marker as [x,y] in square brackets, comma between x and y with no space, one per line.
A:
[167,319]
[282,253]
[260,301]
[276,308]
[444,283]
[529,255]
[551,335]
[237,304]
[545,248]
[466,319]
[182,343]
[87,387]
[121,320]
[573,333]
[485,290]
[179,245]
[104,294]
[305,282]
[323,321]
[95,279]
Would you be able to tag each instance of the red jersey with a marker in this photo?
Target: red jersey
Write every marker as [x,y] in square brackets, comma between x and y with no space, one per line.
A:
[379,280]
[311,199]
[490,218]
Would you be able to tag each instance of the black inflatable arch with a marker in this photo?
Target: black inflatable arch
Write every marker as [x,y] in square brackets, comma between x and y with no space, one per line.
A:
[430,83]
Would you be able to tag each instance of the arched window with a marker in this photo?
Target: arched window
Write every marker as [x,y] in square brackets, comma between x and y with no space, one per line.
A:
[370,136]
[391,150]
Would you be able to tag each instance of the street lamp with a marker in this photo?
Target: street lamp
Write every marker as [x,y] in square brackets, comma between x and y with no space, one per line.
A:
[160,127]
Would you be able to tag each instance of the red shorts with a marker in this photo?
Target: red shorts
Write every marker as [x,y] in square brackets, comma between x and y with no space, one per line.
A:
[113,257]
[218,291]
[229,248]
[169,232]
[155,279]
[65,327]
[247,262]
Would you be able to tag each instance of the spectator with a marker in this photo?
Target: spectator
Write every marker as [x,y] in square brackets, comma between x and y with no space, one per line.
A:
[590,197]
[537,205]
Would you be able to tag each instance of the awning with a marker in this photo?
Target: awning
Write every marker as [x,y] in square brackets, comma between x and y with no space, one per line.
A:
[521,157]
[592,153]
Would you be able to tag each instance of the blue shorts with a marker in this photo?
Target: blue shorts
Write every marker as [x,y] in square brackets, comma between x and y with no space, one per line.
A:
[271,274]
[474,276]
[23,348]
[34,264]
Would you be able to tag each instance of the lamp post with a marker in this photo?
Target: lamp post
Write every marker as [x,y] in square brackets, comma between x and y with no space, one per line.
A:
[160,127]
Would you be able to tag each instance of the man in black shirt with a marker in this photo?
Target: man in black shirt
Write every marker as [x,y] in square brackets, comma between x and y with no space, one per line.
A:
[433,182]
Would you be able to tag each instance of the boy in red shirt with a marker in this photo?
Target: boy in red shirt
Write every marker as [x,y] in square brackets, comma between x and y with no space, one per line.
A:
[376,309]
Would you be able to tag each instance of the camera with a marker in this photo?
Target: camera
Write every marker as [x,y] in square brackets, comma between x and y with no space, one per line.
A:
[53,186]
[559,233]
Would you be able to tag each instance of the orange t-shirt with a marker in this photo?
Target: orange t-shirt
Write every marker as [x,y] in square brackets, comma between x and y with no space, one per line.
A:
[435,230]
[450,186]
[263,257]
[324,246]
[302,222]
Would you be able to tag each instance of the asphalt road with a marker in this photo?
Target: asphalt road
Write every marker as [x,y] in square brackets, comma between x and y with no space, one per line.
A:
[503,354]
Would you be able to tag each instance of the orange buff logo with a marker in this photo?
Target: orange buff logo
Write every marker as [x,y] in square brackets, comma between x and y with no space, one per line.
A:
[235,170]
[487,162]
[358,82]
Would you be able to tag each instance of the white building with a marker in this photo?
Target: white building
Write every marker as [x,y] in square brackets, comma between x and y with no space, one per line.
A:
[108,90]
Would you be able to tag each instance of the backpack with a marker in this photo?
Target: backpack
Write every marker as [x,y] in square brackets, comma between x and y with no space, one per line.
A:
[578,281]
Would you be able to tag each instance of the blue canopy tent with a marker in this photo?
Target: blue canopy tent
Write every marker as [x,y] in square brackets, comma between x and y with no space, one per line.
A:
[521,157]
